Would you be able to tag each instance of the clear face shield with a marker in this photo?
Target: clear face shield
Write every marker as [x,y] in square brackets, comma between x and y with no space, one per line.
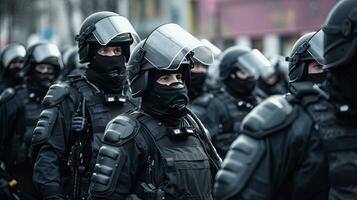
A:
[44,51]
[111,27]
[168,45]
[315,47]
[215,50]
[12,53]
[255,63]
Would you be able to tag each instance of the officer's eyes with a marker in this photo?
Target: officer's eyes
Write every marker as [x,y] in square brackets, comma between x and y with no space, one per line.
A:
[164,78]
[179,77]
[117,51]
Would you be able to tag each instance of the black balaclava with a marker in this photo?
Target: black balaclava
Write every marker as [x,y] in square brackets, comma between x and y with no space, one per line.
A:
[239,88]
[108,72]
[341,84]
[197,84]
[165,102]
[14,76]
[40,82]
[317,78]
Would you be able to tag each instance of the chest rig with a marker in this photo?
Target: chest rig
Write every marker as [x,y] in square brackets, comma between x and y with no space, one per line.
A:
[230,123]
[340,143]
[177,160]
[100,109]
[33,108]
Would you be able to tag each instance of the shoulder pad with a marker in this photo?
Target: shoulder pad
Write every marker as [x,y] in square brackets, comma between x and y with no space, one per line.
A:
[203,100]
[269,116]
[6,95]
[241,161]
[120,130]
[55,94]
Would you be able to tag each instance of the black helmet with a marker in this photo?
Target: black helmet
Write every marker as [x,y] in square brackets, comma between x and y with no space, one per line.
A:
[299,58]
[43,53]
[340,34]
[101,29]
[168,47]
[11,53]
[242,58]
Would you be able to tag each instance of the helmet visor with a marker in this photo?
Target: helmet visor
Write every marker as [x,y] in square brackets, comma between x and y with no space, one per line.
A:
[44,51]
[254,62]
[316,47]
[12,53]
[215,50]
[168,45]
[110,27]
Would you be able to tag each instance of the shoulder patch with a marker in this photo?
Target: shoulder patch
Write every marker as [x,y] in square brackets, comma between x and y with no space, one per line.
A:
[269,116]
[55,94]
[120,130]
[6,95]
[241,161]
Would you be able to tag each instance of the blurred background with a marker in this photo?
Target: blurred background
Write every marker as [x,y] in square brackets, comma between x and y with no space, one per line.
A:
[271,26]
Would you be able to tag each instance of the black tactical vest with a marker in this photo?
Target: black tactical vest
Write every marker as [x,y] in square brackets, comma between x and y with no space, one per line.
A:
[99,113]
[235,111]
[340,143]
[182,168]
[33,108]
[200,104]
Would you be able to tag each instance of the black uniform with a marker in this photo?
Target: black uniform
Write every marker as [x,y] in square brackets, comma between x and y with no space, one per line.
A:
[337,129]
[140,151]
[70,129]
[161,151]
[279,155]
[54,139]
[230,104]
[225,114]
[19,113]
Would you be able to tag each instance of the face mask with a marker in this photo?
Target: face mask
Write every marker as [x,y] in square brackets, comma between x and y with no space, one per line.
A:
[108,72]
[166,102]
[14,76]
[317,78]
[241,87]
[40,83]
[196,86]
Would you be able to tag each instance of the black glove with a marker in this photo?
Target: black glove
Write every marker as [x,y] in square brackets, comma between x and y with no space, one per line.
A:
[79,125]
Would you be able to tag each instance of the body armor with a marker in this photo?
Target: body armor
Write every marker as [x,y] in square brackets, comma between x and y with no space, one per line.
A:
[339,141]
[236,110]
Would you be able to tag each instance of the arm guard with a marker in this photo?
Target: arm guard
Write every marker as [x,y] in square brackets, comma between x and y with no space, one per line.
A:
[238,166]
[56,94]
[111,156]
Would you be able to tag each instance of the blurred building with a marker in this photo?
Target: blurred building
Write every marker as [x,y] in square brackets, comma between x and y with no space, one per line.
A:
[146,15]
[269,25]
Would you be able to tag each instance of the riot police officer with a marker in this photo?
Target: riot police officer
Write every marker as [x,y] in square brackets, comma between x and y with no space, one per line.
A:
[272,79]
[69,131]
[203,84]
[199,74]
[160,151]
[11,64]
[20,109]
[279,154]
[302,65]
[238,71]
[338,120]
